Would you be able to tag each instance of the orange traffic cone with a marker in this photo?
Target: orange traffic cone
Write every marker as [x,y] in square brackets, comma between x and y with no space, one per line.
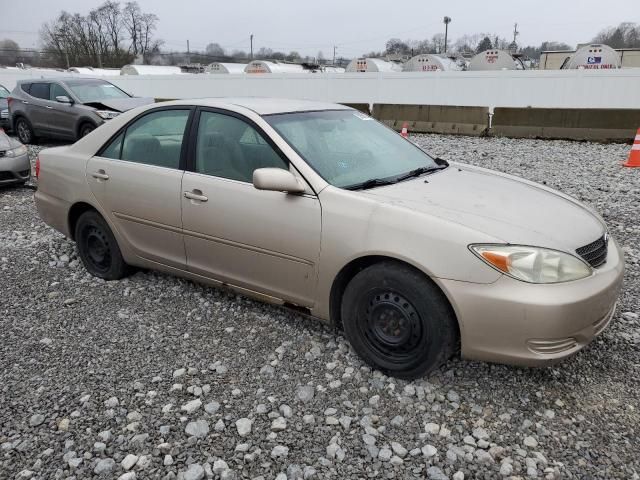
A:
[634,155]
[405,130]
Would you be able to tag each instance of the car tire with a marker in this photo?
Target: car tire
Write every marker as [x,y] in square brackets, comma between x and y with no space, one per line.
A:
[98,247]
[86,129]
[398,320]
[24,131]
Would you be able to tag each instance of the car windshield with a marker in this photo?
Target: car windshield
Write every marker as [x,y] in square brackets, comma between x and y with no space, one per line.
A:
[94,91]
[350,149]
[4,93]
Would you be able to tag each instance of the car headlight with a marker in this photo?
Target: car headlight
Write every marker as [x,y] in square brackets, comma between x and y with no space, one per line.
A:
[16,152]
[533,264]
[107,114]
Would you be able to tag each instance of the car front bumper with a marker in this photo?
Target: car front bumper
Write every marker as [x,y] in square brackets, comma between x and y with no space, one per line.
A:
[14,169]
[519,323]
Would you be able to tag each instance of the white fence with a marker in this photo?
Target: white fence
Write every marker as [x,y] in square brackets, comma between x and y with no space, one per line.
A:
[552,89]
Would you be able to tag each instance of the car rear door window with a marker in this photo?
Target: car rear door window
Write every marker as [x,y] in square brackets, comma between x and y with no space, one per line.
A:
[229,147]
[57,91]
[154,139]
[25,87]
[114,149]
[40,90]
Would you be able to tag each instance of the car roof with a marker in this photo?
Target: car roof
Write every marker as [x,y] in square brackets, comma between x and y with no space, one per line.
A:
[60,79]
[266,106]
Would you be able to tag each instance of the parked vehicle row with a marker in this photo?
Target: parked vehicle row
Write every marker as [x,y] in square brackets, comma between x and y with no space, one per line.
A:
[321,208]
[65,108]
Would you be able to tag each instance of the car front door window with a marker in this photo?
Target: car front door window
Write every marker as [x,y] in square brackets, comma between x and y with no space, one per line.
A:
[230,148]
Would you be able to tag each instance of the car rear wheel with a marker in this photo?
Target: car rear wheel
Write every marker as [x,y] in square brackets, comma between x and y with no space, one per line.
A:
[98,247]
[24,131]
[86,129]
[398,320]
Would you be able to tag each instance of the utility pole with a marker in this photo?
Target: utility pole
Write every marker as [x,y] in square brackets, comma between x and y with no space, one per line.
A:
[188,53]
[334,54]
[515,32]
[251,39]
[447,21]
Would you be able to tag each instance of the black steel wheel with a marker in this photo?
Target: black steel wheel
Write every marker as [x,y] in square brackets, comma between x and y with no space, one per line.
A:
[98,247]
[398,320]
[24,131]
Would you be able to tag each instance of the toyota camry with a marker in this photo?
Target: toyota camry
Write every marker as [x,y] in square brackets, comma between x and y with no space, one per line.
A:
[320,208]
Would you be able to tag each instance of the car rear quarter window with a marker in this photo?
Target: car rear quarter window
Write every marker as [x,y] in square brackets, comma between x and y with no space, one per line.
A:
[114,149]
[155,139]
[40,90]
[25,87]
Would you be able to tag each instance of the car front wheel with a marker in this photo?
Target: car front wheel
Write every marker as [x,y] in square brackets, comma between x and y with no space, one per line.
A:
[98,247]
[398,320]
[86,129]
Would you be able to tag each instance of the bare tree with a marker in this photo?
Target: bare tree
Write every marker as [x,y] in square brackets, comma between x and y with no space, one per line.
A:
[100,37]
[9,52]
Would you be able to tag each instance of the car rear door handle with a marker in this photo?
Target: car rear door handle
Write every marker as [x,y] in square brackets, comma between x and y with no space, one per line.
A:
[100,174]
[196,195]
[49,107]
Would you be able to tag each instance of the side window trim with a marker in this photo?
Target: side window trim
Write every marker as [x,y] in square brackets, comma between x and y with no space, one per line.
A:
[185,137]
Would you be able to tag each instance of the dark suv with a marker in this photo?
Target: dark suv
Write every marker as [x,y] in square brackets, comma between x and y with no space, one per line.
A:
[66,108]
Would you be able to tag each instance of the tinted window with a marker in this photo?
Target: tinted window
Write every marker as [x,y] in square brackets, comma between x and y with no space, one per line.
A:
[25,87]
[228,147]
[40,90]
[57,91]
[155,139]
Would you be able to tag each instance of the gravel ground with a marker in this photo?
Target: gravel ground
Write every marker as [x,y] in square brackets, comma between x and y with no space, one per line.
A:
[157,377]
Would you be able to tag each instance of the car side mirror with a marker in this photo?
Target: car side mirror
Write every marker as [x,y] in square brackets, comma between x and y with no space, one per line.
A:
[277,180]
[63,99]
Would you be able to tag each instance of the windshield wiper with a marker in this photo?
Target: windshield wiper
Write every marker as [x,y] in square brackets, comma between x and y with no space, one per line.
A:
[420,171]
[373,182]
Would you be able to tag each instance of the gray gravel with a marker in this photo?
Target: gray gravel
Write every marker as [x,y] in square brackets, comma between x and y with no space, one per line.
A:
[158,377]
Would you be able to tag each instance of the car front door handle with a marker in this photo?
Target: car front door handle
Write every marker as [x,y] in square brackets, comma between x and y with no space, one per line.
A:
[196,195]
[49,107]
[25,102]
[100,175]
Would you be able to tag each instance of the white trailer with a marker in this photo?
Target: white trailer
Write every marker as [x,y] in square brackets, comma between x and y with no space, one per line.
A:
[428,62]
[364,65]
[593,57]
[150,70]
[96,72]
[495,59]
[225,68]
[264,66]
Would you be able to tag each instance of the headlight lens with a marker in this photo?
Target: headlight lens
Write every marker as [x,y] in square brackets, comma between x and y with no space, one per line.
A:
[16,152]
[533,264]
[107,114]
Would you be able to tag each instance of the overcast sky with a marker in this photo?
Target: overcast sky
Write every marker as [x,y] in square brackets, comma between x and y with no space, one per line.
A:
[355,26]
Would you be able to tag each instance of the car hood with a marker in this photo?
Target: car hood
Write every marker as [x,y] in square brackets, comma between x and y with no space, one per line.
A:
[120,104]
[510,209]
[7,143]
[3,103]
